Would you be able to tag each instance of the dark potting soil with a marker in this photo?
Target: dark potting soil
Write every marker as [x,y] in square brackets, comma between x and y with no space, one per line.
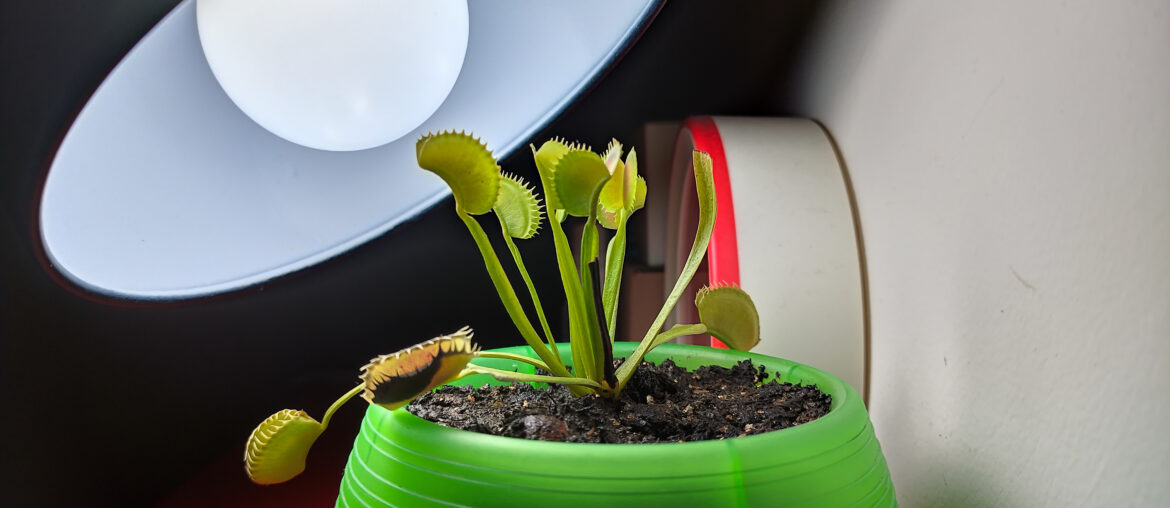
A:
[661,403]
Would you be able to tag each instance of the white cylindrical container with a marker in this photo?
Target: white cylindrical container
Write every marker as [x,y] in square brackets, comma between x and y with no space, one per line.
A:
[785,231]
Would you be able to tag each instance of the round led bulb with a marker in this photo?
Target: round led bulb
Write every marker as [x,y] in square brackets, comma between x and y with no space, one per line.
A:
[335,74]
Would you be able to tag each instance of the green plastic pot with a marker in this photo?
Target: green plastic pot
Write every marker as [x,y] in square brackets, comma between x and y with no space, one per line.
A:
[399,459]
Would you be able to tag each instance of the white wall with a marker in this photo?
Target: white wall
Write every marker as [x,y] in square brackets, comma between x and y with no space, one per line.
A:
[1011,162]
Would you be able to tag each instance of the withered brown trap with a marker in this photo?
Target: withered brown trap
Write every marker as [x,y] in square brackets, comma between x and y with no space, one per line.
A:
[395,379]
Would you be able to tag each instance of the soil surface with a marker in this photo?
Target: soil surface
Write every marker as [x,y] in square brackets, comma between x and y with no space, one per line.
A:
[661,403]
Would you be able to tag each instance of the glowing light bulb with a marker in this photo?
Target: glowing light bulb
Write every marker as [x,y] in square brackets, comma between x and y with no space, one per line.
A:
[335,74]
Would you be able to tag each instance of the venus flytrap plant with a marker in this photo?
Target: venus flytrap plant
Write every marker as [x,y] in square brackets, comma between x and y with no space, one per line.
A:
[601,189]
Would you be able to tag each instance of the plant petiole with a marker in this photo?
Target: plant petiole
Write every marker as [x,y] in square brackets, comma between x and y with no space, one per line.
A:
[514,357]
[338,403]
[504,375]
[552,343]
[508,295]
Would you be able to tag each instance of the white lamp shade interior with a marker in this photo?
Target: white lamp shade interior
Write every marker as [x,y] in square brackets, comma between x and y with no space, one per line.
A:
[163,188]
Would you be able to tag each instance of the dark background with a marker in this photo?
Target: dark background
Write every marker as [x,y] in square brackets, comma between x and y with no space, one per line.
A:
[121,403]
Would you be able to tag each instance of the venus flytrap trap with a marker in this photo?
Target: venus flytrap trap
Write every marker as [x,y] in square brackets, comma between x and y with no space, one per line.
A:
[277,448]
[602,189]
